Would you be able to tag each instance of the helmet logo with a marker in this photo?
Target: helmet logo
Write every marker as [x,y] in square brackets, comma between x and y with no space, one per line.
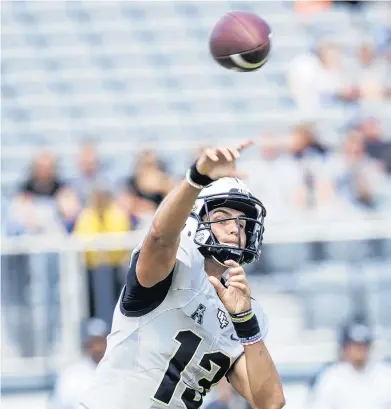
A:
[240,190]
[196,207]
[202,236]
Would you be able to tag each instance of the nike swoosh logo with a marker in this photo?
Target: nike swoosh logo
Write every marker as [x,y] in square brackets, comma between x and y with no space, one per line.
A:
[234,338]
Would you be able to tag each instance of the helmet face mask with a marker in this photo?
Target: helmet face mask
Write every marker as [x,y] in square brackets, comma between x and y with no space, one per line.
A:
[233,194]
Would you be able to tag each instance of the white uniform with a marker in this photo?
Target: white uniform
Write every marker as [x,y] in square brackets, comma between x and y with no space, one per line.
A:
[340,386]
[171,356]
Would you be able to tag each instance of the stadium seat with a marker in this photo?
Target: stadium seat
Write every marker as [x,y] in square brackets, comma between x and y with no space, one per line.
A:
[326,294]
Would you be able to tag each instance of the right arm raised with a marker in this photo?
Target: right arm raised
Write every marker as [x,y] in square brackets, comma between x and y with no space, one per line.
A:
[158,253]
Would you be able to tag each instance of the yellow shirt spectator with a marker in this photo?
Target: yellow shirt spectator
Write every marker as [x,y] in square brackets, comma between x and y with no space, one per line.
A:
[103,216]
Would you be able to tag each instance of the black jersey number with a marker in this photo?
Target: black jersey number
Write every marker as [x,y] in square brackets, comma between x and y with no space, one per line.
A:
[188,343]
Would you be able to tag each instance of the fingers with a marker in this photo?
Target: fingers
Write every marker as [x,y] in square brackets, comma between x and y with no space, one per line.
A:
[215,154]
[235,273]
[232,153]
[220,162]
[211,154]
[243,287]
[231,263]
[229,153]
[234,268]
[235,153]
[217,285]
[239,279]
[244,145]
[226,153]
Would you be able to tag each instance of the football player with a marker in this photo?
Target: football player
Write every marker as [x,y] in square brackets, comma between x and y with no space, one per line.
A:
[185,318]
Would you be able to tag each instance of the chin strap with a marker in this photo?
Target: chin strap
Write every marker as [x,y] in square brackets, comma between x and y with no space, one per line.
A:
[217,261]
[227,255]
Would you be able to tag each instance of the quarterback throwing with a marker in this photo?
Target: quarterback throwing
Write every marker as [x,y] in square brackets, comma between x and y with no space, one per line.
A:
[185,318]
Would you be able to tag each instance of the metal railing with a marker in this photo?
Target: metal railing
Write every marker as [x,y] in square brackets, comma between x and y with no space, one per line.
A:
[277,233]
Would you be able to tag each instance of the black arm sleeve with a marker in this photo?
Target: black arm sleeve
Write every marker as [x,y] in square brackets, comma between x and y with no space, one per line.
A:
[138,300]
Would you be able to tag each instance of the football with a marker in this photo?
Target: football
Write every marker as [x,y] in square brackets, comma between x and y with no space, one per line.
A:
[241,41]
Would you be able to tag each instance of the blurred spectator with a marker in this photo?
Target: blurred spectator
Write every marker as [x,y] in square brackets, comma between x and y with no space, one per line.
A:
[103,215]
[262,171]
[320,78]
[359,180]
[305,143]
[30,215]
[387,158]
[314,188]
[299,166]
[354,4]
[150,182]
[74,380]
[356,382]
[372,78]
[68,207]
[310,6]
[383,41]
[127,201]
[90,171]
[43,180]
[377,146]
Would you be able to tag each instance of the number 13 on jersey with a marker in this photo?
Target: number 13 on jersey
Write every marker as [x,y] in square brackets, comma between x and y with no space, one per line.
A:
[188,343]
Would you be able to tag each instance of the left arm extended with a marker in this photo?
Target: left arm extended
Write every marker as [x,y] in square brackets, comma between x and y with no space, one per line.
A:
[255,377]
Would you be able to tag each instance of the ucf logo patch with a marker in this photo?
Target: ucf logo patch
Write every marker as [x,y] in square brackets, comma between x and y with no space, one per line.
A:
[222,317]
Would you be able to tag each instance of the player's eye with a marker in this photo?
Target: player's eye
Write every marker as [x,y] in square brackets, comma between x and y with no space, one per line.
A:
[219,218]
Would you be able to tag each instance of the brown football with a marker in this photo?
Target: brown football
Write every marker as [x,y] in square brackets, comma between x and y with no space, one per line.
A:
[240,41]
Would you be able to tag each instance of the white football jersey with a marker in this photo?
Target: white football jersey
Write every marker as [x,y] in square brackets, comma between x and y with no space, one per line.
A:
[173,355]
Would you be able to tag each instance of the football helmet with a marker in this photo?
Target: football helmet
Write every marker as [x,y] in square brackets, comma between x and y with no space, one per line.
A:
[234,194]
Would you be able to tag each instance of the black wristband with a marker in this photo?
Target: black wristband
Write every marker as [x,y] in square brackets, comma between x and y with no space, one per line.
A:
[198,178]
[247,329]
